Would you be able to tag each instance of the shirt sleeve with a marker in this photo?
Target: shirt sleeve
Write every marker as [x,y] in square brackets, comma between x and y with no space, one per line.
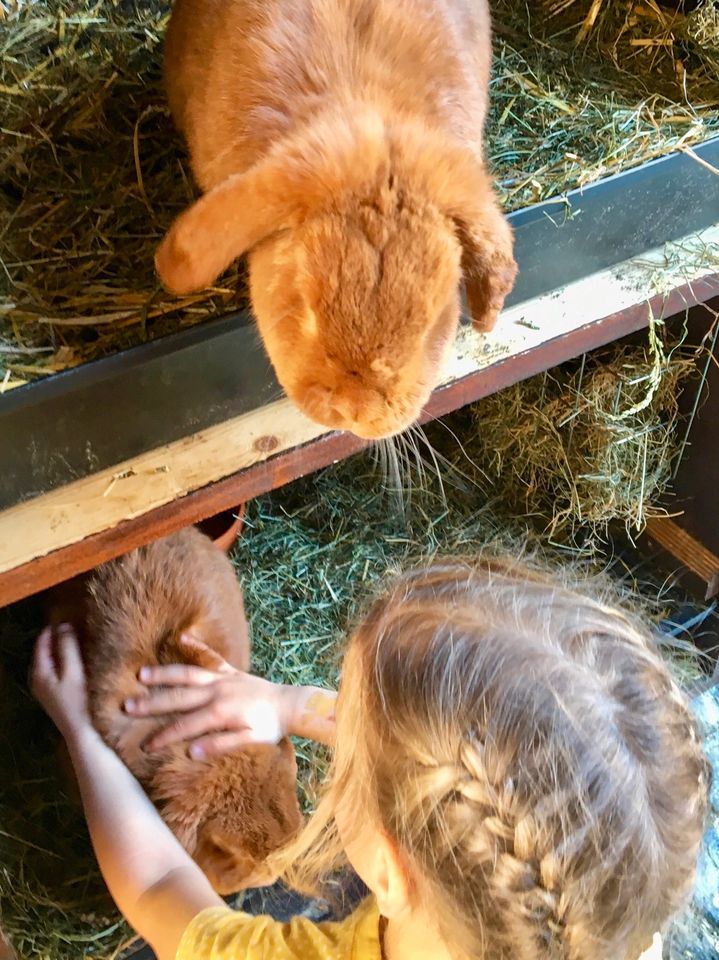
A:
[220,933]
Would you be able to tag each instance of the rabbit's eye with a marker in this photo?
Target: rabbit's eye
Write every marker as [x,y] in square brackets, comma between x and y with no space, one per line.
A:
[220,853]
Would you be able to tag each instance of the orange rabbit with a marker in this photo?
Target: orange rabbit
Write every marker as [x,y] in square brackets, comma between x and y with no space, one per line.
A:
[229,812]
[339,144]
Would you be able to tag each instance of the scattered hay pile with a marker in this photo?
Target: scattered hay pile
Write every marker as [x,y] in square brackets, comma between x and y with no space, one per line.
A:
[588,444]
[567,112]
[92,171]
[91,174]
[677,41]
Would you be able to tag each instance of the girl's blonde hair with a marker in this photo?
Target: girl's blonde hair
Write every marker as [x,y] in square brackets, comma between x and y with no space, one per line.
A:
[527,750]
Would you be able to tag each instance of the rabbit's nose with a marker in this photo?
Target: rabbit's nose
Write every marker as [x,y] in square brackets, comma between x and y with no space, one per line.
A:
[361,410]
[330,407]
[344,408]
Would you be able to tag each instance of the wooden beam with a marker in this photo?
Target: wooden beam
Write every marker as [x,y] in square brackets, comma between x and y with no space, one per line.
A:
[687,551]
[69,530]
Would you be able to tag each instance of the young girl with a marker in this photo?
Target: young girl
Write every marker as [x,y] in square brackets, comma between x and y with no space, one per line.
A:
[515,776]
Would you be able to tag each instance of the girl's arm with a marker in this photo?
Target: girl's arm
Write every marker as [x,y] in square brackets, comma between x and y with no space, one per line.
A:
[222,708]
[156,885]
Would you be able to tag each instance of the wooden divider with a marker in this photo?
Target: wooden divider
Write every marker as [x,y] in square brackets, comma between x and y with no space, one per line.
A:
[69,530]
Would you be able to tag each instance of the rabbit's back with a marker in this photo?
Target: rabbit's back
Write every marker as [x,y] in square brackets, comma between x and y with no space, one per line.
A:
[241,74]
[137,608]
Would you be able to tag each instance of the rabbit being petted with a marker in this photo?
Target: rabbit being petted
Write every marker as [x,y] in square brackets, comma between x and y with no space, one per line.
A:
[230,811]
[339,144]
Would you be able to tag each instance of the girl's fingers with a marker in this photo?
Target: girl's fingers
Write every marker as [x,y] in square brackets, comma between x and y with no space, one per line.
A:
[176,674]
[187,727]
[215,744]
[69,651]
[42,661]
[177,699]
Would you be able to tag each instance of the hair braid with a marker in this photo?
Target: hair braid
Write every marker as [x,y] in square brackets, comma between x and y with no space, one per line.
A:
[525,747]
[490,832]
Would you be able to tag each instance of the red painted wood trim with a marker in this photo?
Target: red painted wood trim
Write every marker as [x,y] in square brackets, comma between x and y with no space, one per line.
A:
[237,488]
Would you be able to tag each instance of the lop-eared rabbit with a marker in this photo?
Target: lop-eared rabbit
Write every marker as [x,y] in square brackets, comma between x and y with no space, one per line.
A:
[339,143]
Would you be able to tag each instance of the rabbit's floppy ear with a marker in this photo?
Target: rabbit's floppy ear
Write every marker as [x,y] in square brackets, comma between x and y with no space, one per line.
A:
[464,191]
[488,263]
[302,174]
[223,224]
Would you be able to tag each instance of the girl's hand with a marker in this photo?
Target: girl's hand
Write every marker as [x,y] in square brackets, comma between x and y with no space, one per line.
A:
[58,680]
[221,709]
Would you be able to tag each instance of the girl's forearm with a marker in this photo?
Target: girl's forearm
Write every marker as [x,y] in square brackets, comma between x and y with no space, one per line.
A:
[312,714]
[155,884]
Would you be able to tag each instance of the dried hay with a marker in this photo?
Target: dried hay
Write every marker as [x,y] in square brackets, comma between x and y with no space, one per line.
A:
[675,40]
[92,172]
[592,443]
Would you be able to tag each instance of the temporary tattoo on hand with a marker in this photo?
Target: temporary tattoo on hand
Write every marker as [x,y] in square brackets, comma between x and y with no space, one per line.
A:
[321,705]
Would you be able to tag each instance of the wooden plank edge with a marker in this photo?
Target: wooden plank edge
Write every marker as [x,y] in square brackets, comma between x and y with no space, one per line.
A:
[43,572]
[686,550]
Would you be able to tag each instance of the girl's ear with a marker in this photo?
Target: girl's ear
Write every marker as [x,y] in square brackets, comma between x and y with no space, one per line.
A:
[390,881]
[223,224]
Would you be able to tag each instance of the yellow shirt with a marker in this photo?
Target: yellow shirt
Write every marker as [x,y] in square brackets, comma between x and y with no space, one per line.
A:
[220,933]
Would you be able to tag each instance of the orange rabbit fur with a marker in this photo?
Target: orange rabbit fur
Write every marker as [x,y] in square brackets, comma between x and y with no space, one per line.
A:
[339,144]
[229,812]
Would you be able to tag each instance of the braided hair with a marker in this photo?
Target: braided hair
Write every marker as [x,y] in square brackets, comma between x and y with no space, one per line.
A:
[526,748]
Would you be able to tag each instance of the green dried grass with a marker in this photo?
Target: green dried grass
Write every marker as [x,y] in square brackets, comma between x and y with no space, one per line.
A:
[92,172]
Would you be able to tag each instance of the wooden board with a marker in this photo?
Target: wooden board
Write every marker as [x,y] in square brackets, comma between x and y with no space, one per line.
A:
[68,530]
[690,553]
